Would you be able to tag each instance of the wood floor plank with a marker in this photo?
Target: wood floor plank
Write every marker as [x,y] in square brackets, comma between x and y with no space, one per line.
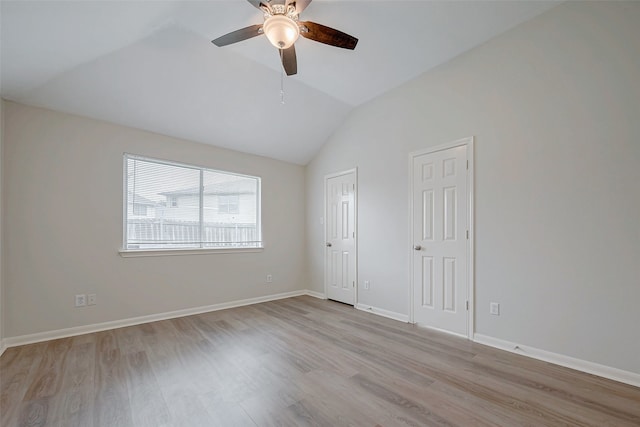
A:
[268,406]
[50,373]
[73,406]
[224,414]
[130,339]
[295,362]
[111,401]
[148,407]
[34,412]
[17,373]
[336,401]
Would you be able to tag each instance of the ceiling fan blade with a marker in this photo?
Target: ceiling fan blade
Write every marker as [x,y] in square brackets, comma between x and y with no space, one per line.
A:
[263,5]
[327,35]
[289,61]
[238,35]
[300,5]
[258,3]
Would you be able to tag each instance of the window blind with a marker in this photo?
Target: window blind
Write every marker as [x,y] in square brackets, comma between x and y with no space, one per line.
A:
[178,206]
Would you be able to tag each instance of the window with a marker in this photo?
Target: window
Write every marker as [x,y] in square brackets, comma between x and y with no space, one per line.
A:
[139,209]
[177,206]
[229,204]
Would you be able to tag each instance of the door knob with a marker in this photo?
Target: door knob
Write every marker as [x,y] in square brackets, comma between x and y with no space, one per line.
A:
[417,247]
[328,244]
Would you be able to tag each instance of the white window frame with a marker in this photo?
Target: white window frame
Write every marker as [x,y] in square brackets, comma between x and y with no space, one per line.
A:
[124,252]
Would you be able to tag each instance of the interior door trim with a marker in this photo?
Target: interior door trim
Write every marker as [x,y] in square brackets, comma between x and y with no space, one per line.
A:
[355,229]
[469,143]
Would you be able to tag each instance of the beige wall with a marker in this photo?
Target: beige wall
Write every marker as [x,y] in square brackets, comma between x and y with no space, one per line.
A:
[554,105]
[63,210]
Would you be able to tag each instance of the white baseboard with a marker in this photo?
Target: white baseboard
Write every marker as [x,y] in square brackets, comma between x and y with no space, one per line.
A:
[604,371]
[384,313]
[97,327]
[315,294]
[3,346]
[443,331]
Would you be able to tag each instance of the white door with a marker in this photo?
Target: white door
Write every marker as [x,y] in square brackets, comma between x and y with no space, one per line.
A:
[440,233]
[340,241]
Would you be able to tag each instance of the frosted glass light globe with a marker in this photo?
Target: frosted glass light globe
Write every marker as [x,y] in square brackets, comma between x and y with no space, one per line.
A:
[281,31]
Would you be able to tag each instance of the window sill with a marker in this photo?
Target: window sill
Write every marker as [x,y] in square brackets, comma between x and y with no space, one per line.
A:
[132,253]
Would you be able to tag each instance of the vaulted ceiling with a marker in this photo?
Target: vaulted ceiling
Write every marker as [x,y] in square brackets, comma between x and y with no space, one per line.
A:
[151,64]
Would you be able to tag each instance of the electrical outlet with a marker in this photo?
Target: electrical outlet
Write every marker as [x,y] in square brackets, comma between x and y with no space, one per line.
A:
[91,299]
[269,278]
[494,308]
[367,284]
[81,300]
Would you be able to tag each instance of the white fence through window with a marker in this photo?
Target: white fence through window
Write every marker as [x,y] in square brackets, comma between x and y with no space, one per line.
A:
[154,233]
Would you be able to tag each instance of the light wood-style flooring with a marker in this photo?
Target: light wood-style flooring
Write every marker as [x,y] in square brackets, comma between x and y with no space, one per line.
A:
[295,362]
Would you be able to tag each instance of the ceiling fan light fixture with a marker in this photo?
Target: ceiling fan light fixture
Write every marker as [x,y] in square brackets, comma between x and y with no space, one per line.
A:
[281,31]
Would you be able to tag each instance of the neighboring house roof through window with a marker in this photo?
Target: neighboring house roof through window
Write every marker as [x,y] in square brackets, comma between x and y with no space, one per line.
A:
[222,188]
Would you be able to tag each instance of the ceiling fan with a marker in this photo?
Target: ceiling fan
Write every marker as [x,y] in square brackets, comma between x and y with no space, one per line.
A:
[282,28]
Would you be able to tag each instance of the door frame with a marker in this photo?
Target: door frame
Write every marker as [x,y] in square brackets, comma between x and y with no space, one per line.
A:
[469,143]
[355,229]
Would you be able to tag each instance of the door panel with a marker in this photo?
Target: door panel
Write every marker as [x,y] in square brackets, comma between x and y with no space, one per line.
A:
[340,240]
[440,212]
[427,215]
[427,281]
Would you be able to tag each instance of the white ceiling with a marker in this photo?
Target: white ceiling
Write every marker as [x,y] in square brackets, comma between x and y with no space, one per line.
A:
[151,65]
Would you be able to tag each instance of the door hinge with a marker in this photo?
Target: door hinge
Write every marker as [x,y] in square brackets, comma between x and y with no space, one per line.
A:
[467,164]
[467,234]
[467,305]
[353,284]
